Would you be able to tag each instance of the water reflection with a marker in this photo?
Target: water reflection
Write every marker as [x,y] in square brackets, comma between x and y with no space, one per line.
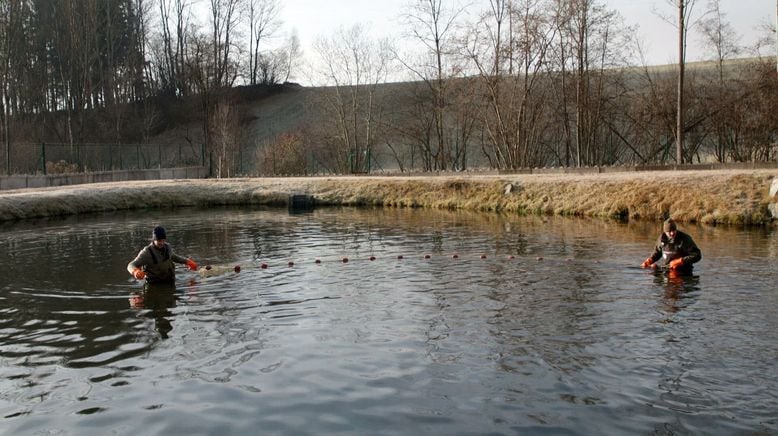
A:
[534,327]
[157,300]
[680,289]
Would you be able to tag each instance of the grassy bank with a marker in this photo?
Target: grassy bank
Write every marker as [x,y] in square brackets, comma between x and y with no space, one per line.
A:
[711,197]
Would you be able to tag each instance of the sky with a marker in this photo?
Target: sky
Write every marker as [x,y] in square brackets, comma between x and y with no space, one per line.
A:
[312,19]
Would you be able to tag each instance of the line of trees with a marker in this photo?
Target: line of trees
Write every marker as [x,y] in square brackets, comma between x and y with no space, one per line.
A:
[62,60]
[504,83]
[533,83]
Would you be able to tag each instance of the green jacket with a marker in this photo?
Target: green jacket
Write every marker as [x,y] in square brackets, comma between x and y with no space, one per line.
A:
[681,246]
[159,264]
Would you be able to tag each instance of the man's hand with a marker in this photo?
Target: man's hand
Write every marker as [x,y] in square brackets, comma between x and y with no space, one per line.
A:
[191,264]
[676,263]
[647,263]
[139,274]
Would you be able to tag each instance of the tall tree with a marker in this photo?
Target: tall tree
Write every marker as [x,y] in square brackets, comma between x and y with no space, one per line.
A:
[684,22]
[432,24]
[224,19]
[354,66]
[15,18]
[719,36]
[511,60]
[588,47]
[175,28]
[264,21]
[681,71]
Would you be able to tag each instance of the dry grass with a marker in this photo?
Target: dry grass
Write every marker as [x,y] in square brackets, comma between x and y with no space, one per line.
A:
[711,197]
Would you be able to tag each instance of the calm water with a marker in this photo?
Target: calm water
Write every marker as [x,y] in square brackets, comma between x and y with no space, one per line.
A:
[578,342]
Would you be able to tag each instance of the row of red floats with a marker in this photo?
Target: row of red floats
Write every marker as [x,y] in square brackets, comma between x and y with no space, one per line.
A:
[264,265]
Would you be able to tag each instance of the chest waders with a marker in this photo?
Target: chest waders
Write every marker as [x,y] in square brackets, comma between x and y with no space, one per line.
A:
[162,270]
[675,249]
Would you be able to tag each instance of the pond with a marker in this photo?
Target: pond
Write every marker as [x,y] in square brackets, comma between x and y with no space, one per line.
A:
[461,324]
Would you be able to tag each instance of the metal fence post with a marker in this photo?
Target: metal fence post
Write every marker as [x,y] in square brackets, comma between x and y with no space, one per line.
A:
[43,157]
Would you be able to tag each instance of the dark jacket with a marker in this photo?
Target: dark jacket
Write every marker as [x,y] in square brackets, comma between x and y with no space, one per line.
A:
[157,263]
[681,246]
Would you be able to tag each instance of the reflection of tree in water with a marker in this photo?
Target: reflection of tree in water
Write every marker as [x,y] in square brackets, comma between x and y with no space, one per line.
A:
[543,311]
[533,307]
[438,328]
[512,241]
[674,384]
[157,300]
[256,239]
[266,240]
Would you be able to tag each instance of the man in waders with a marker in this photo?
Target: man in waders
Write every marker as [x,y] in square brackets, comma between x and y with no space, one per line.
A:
[155,262]
[676,248]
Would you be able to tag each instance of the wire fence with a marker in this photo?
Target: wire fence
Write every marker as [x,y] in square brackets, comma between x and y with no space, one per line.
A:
[59,158]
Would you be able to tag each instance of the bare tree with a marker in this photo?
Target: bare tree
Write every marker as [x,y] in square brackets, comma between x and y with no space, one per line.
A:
[292,52]
[432,25]
[223,20]
[684,22]
[354,66]
[588,51]
[263,17]
[174,46]
[721,38]
[512,75]
[277,66]
[285,155]
[12,15]
[681,71]
[226,137]
[591,32]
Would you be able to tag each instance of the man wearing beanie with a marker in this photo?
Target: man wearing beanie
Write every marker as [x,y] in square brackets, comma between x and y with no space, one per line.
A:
[155,262]
[676,248]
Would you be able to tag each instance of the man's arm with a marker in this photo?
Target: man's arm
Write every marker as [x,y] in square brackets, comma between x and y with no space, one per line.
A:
[142,259]
[694,253]
[177,258]
[657,254]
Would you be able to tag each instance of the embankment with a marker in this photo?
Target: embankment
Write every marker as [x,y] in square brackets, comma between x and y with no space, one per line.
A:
[712,197]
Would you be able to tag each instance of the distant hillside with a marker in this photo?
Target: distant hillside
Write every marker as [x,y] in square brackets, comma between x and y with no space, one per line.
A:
[263,114]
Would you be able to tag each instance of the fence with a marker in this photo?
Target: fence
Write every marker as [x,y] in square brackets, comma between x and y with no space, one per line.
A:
[51,159]
[58,158]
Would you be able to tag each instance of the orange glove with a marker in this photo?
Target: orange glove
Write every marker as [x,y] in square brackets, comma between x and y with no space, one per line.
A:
[192,265]
[138,274]
[647,263]
[676,263]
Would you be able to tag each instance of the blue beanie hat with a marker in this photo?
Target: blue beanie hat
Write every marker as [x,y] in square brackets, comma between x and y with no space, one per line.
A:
[159,233]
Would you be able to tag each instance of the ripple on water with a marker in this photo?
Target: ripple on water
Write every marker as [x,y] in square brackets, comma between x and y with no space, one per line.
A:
[555,339]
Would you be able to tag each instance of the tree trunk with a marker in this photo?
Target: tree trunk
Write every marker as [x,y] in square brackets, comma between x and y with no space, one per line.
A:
[681,68]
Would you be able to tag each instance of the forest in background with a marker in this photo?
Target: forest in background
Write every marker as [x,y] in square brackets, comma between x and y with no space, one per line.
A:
[522,83]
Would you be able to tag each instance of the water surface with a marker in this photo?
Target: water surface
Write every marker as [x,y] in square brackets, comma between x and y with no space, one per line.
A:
[463,324]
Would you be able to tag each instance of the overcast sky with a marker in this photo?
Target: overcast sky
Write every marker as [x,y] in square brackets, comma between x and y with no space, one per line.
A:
[315,18]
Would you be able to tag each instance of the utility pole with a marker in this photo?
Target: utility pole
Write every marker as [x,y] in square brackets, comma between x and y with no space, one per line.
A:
[681,68]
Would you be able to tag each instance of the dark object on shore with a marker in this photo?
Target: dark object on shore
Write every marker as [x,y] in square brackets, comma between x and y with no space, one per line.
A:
[299,203]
